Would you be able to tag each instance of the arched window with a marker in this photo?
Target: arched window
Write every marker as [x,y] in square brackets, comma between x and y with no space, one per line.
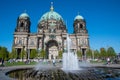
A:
[81,26]
[21,25]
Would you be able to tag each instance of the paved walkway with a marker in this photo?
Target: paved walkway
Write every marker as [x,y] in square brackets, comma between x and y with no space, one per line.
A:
[3,70]
[103,65]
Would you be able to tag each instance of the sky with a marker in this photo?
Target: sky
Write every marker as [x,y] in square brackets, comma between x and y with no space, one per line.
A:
[102,18]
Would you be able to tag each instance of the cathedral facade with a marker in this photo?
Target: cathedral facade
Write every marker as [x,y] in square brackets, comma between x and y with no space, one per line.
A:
[51,34]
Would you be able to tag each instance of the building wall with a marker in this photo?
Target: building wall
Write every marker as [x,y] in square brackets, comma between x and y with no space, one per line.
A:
[51,36]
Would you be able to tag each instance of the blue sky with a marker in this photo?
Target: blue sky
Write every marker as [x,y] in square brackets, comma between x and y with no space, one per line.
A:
[102,18]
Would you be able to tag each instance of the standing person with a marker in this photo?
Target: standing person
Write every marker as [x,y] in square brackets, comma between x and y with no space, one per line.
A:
[108,60]
[2,62]
[53,62]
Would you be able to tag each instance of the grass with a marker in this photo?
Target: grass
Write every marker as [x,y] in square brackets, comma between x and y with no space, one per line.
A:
[18,63]
[97,61]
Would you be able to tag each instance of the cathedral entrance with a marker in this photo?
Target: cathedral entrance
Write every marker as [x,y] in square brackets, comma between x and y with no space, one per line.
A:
[52,49]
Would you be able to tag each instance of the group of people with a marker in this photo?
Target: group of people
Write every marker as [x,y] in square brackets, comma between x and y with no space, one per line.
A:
[112,61]
[53,61]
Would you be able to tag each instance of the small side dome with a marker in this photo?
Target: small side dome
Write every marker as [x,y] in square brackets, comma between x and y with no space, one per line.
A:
[78,17]
[24,15]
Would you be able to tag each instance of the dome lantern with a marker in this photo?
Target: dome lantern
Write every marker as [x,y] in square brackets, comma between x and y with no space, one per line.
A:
[51,8]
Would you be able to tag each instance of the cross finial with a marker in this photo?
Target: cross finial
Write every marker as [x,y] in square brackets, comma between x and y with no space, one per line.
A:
[51,8]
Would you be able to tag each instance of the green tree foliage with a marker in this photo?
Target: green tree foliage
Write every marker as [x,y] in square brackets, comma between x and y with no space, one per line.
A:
[43,54]
[79,54]
[89,53]
[13,54]
[33,53]
[60,53]
[96,54]
[23,54]
[4,54]
[111,52]
[103,53]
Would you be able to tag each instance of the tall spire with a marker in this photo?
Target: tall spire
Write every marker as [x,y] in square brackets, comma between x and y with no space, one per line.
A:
[51,8]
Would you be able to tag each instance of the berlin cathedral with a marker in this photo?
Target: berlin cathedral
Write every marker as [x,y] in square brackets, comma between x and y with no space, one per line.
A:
[51,34]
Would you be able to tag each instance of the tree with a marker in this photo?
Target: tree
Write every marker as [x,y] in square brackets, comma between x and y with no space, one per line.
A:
[4,53]
[103,53]
[22,54]
[89,53]
[60,53]
[96,54]
[33,53]
[111,52]
[43,54]
[79,54]
[13,54]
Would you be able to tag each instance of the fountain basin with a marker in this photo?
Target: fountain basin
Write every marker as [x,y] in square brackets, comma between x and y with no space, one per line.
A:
[87,73]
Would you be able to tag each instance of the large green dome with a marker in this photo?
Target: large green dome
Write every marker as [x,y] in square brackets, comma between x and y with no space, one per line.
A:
[51,15]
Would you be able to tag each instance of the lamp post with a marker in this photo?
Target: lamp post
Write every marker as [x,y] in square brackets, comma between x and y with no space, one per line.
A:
[93,54]
[22,48]
[27,51]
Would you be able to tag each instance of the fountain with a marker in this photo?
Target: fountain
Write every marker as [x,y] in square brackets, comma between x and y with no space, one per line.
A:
[70,61]
[69,71]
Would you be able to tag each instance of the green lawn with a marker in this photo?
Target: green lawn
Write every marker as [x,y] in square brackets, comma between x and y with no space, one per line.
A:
[103,61]
[19,63]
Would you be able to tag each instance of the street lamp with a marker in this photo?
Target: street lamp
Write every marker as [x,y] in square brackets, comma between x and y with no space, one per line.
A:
[93,54]
[27,51]
[22,48]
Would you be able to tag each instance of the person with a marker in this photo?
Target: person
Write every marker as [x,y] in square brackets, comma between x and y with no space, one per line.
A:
[53,62]
[115,61]
[2,62]
[108,60]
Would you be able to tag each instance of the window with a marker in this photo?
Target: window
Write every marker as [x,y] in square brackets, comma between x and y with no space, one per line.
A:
[81,26]
[21,25]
